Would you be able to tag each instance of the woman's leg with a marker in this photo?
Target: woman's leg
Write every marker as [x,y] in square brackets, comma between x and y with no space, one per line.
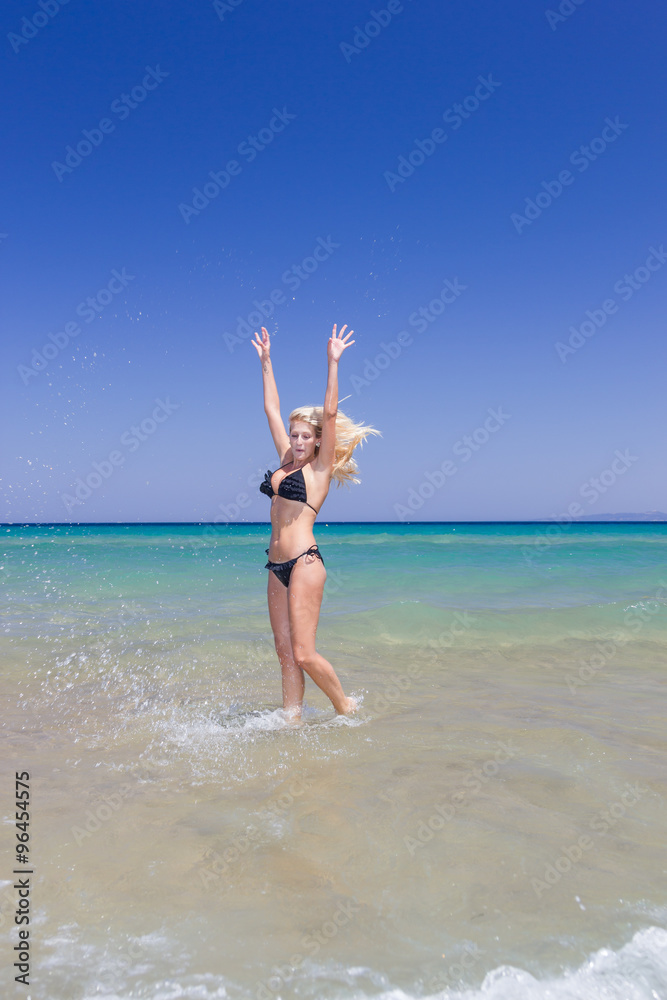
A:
[304,602]
[292,675]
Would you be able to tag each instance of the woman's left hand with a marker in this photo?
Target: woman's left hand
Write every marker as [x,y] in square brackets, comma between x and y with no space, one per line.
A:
[337,344]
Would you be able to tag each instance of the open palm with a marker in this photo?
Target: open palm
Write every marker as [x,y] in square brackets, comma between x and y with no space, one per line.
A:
[338,343]
[263,344]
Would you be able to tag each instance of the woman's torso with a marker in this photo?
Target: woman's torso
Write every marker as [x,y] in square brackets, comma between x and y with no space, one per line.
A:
[292,521]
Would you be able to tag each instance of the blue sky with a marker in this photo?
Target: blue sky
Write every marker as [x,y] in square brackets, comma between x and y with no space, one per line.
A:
[476,188]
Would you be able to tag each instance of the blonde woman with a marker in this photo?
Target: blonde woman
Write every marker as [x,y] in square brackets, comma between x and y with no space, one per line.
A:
[318,449]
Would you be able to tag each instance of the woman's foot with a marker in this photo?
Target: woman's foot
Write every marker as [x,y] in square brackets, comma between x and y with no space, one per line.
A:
[292,715]
[351,706]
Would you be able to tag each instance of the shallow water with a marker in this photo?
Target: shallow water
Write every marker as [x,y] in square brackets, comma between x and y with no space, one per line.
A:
[491,824]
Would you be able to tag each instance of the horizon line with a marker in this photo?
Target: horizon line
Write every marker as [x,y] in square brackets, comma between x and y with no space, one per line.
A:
[225,524]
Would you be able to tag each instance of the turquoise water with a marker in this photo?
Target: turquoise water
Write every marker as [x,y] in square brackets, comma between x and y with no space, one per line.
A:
[190,844]
[581,565]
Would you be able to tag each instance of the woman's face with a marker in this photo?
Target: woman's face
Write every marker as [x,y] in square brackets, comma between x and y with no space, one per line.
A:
[303,440]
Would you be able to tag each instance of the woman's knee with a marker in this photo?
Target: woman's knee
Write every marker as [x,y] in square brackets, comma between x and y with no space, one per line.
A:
[307,661]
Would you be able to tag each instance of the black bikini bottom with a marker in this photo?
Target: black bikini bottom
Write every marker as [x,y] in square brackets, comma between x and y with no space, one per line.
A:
[284,570]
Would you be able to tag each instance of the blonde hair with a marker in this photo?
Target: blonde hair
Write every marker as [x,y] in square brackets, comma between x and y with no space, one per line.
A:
[348,436]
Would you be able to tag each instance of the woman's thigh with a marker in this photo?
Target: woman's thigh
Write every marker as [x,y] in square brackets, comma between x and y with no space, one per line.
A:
[305,600]
[278,611]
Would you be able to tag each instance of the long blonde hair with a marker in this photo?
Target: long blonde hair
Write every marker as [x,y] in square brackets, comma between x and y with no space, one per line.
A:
[348,436]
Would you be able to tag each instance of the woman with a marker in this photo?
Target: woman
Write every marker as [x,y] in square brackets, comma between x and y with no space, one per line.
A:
[318,449]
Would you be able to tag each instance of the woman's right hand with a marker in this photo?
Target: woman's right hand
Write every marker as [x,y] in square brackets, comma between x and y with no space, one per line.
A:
[262,344]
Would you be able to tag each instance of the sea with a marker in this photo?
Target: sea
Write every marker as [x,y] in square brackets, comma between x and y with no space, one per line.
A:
[490,825]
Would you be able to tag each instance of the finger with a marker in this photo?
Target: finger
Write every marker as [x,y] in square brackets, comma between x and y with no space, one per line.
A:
[344,327]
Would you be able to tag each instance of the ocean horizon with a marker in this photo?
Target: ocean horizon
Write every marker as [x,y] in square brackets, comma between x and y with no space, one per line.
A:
[536,520]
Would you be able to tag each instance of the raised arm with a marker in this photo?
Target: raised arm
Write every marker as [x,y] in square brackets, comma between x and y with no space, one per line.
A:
[271,400]
[335,348]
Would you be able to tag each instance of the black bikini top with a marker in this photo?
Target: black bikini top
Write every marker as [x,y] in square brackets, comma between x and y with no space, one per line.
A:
[292,487]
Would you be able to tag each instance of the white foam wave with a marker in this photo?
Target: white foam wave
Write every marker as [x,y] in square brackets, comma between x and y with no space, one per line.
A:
[638,971]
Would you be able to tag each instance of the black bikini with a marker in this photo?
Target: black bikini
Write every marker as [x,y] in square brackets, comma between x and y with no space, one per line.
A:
[284,570]
[295,489]
[292,487]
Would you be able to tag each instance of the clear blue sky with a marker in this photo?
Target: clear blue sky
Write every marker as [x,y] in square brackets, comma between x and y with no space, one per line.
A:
[497,166]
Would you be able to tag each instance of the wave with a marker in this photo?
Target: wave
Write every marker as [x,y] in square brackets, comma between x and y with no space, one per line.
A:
[637,971]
